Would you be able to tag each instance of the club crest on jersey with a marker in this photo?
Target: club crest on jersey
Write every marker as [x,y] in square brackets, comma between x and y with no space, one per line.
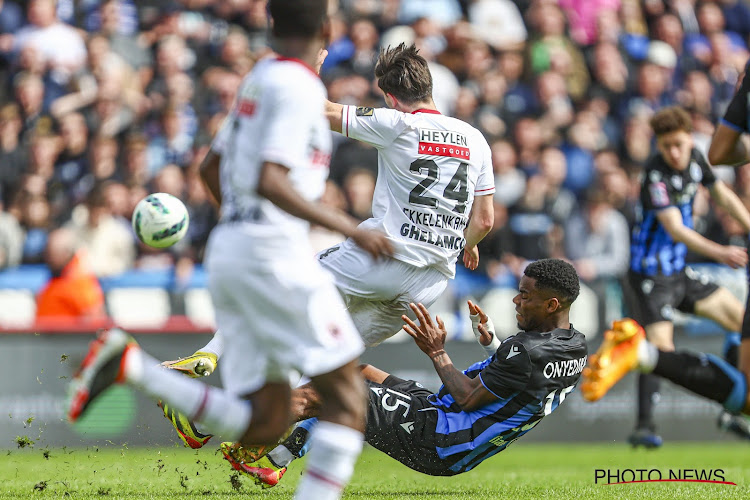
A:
[659,195]
[364,111]
[443,143]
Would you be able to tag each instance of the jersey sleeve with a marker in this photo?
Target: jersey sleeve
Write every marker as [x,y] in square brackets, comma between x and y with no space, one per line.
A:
[709,178]
[735,116]
[509,372]
[486,180]
[289,115]
[376,126]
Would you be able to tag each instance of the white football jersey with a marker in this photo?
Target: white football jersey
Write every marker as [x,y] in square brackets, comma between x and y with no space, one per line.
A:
[278,117]
[430,167]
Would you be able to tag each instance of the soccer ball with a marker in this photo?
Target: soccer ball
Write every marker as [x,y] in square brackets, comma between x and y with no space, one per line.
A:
[160,220]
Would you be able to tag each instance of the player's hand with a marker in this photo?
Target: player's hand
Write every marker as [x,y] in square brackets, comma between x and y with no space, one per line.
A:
[321,59]
[482,325]
[471,257]
[375,243]
[734,256]
[429,336]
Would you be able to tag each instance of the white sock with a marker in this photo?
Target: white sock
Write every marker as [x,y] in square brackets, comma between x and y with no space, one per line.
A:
[333,452]
[218,411]
[215,345]
[648,355]
[281,456]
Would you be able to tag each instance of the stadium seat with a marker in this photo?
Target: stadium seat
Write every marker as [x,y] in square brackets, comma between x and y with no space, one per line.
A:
[138,307]
[198,307]
[18,308]
[27,277]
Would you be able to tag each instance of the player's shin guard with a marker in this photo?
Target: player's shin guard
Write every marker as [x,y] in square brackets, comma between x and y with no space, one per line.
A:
[330,463]
[706,375]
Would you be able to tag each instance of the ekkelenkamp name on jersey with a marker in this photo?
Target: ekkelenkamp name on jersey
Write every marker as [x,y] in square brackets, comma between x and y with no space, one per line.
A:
[443,143]
[433,220]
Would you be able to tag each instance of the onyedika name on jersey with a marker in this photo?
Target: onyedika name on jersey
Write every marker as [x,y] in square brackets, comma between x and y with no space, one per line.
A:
[443,143]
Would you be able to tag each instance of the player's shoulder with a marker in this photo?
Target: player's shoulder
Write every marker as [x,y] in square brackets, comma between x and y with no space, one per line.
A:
[559,339]
[287,73]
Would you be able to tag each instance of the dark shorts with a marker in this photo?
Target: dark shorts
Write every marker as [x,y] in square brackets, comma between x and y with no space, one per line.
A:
[401,423]
[655,297]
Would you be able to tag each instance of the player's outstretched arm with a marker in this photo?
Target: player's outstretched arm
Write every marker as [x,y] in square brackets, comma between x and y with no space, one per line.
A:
[480,223]
[728,147]
[671,219]
[469,393]
[274,185]
[728,199]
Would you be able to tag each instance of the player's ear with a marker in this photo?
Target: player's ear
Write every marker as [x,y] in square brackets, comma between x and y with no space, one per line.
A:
[553,304]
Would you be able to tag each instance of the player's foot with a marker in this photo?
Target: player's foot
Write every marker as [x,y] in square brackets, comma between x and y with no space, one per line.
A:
[200,364]
[617,355]
[184,427]
[266,473]
[252,461]
[736,424]
[236,454]
[103,366]
[646,438]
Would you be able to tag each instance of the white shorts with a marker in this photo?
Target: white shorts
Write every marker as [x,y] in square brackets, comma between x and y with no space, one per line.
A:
[277,315]
[378,292]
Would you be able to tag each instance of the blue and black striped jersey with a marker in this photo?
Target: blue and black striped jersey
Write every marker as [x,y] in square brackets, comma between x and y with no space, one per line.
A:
[652,249]
[531,373]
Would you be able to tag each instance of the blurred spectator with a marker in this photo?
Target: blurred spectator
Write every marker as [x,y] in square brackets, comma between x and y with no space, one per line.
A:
[510,183]
[62,46]
[13,156]
[359,186]
[597,239]
[498,23]
[107,239]
[11,241]
[34,216]
[73,293]
[551,49]
[171,145]
[29,94]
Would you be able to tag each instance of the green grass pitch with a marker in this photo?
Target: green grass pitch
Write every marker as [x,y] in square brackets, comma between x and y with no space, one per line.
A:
[523,471]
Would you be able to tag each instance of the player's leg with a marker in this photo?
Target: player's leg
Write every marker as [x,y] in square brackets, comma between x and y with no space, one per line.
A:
[722,307]
[625,349]
[660,334]
[336,441]
[115,358]
[306,404]
[200,364]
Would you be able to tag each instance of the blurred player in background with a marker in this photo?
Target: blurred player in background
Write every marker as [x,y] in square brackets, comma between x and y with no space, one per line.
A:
[277,309]
[433,198]
[658,278]
[625,348]
[478,412]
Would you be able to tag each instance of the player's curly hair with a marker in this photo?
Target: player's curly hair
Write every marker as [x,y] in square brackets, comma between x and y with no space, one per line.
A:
[402,72]
[556,275]
[671,119]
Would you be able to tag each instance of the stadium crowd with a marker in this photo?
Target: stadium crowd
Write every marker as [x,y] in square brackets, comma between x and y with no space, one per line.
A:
[105,101]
